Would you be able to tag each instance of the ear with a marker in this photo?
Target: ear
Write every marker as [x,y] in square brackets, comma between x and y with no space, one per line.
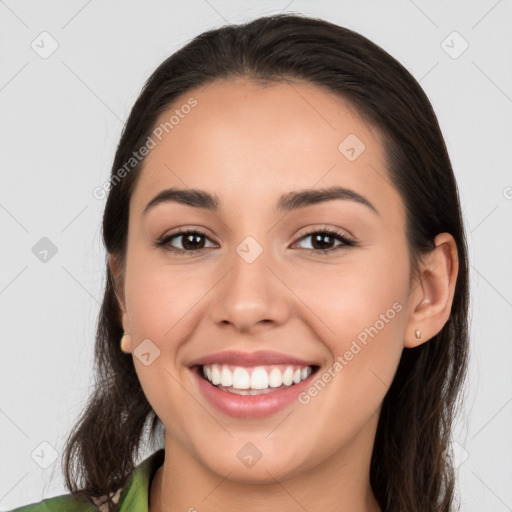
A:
[118,277]
[432,295]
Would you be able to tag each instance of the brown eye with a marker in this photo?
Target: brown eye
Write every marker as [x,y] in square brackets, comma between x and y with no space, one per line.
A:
[192,241]
[322,241]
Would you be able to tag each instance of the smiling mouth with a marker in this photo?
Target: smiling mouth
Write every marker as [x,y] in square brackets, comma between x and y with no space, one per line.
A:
[258,380]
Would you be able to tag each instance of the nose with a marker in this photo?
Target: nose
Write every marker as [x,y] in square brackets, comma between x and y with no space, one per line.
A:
[251,297]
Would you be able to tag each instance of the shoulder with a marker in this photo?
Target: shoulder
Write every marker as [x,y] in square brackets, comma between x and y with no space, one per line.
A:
[67,503]
[135,492]
[62,503]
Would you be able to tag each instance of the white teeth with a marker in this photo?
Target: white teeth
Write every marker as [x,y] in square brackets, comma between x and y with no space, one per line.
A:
[241,379]
[255,378]
[305,373]
[226,378]
[288,376]
[275,378]
[215,375]
[259,378]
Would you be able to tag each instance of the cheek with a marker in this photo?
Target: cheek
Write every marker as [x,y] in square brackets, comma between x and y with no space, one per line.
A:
[355,298]
[160,298]
[160,302]
[364,307]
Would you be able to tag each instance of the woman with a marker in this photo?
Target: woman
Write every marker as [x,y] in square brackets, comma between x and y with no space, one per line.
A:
[287,273]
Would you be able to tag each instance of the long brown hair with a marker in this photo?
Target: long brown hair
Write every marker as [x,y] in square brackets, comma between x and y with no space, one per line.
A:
[411,468]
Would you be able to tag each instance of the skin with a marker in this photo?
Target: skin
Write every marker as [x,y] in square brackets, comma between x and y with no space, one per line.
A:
[248,145]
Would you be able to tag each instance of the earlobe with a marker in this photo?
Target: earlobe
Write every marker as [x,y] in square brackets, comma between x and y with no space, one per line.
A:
[432,298]
[126,343]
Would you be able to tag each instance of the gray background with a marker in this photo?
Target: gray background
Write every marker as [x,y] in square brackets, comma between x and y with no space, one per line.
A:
[61,118]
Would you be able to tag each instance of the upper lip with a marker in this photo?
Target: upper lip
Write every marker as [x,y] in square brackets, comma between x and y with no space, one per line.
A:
[258,358]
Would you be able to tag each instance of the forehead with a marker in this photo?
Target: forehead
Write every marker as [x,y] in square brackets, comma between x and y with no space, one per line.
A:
[244,142]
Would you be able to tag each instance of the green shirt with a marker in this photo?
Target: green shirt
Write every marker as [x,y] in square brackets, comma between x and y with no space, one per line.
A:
[133,497]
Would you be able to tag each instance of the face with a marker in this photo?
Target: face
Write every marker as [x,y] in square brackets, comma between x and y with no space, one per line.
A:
[257,274]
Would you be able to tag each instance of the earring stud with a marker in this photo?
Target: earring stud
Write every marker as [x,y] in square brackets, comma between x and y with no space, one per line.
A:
[418,334]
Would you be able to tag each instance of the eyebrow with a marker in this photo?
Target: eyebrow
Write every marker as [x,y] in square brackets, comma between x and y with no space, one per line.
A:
[287,202]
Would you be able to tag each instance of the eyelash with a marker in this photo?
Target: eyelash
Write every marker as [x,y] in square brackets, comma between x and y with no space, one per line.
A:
[346,242]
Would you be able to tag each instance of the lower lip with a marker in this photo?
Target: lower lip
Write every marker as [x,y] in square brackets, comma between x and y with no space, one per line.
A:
[250,406]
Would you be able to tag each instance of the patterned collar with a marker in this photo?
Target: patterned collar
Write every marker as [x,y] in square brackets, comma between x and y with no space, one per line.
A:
[135,493]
